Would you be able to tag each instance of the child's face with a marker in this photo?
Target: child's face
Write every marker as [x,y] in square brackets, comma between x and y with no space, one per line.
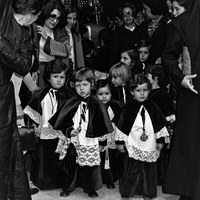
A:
[104,94]
[125,59]
[57,80]
[117,81]
[144,53]
[83,88]
[141,92]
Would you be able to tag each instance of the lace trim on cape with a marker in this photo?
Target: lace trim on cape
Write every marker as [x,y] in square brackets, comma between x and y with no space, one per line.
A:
[162,133]
[120,136]
[88,155]
[34,115]
[146,156]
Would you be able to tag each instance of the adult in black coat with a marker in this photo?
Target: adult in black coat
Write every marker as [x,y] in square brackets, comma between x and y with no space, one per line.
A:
[183,175]
[16,52]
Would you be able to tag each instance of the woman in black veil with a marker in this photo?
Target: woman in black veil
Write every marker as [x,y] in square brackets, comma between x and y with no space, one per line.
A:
[183,173]
[16,54]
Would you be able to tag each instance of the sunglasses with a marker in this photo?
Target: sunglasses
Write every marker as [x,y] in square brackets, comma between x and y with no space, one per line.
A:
[53,17]
[127,14]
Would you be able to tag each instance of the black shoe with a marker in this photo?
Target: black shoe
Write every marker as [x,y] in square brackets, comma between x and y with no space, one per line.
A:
[92,194]
[110,186]
[34,191]
[64,193]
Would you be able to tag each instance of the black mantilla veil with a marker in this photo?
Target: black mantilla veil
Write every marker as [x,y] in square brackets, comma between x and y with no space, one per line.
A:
[188,26]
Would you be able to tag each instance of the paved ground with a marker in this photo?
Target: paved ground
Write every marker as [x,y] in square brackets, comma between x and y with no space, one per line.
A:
[104,194]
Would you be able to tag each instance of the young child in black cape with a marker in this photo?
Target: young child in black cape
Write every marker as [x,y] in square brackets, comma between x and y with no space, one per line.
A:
[83,119]
[159,94]
[111,162]
[45,172]
[140,133]
[119,75]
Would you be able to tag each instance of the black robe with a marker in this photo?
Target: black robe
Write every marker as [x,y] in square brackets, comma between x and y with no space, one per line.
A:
[15,56]
[183,170]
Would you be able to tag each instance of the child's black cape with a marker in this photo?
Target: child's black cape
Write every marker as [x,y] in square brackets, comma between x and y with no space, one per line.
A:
[99,123]
[129,111]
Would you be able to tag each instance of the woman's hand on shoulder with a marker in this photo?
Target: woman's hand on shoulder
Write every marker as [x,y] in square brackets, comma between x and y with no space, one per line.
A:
[42,32]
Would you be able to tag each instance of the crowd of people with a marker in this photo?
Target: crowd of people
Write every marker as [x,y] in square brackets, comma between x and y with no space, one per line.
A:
[111,102]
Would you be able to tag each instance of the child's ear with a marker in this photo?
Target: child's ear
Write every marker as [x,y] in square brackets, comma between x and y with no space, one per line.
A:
[132,93]
[72,84]
[93,85]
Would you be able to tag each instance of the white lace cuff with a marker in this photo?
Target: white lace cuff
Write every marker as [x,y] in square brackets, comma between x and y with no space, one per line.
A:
[34,115]
[120,136]
[162,133]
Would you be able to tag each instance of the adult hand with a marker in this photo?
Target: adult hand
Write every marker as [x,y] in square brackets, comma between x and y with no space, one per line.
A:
[187,83]
[42,32]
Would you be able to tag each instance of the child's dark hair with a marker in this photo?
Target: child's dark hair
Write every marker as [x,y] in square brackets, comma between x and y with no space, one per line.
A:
[133,54]
[139,79]
[102,83]
[143,43]
[55,66]
[157,70]
[83,74]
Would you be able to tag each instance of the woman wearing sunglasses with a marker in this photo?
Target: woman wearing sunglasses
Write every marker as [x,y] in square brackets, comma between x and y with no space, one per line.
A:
[52,40]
